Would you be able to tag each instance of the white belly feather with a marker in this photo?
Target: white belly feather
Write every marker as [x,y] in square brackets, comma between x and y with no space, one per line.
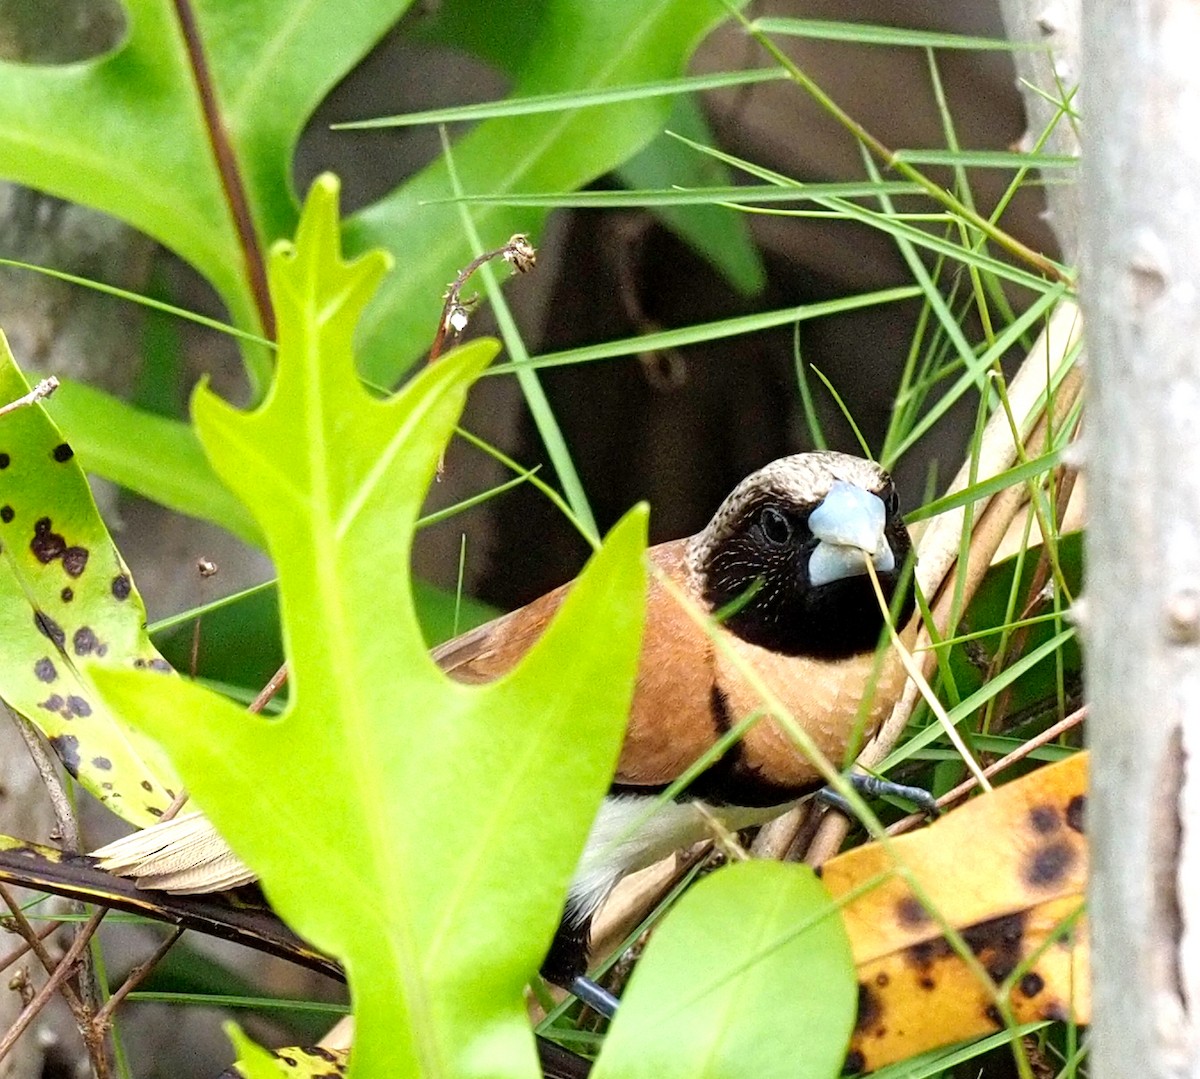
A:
[632,832]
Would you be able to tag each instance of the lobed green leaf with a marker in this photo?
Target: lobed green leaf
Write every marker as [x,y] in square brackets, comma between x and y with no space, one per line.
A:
[447,814]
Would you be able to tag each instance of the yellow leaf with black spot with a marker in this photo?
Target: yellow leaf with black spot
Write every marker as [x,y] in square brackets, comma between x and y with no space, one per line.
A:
[1007,872]
[66,597]
[294,1062]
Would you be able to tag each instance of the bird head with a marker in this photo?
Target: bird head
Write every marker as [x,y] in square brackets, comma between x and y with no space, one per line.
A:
[785,555]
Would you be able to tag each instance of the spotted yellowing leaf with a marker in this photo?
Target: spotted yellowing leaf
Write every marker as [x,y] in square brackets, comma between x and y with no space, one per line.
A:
[1007,872]
[290,1062]
[67,597]
[421,831]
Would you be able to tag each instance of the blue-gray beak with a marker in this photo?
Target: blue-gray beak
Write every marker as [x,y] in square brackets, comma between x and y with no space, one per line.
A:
[849,524]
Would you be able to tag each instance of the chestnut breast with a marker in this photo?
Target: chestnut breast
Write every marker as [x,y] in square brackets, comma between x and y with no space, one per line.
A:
[688,693]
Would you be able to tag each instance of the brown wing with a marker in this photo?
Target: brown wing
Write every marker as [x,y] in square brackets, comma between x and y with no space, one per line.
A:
[671,722]
[489,651]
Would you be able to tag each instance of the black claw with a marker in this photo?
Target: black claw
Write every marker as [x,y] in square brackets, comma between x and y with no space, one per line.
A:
[828,796]
[872,787]
[600,1000]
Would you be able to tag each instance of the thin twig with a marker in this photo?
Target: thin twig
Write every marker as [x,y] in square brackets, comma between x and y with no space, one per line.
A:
[64,816]
[206,568]
[57,981]
[270,689]
[172,811]
[133,980]
[518,253]
[69,839]
[260,702]
[23,949]
[39,392]
[237,200]
[21,924]
[775,838]
[34,940]
[1020,753]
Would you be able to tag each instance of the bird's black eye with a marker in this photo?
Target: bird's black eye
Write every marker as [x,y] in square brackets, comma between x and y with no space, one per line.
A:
[775,525]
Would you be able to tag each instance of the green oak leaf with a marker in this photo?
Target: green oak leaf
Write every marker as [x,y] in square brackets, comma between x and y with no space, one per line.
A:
[241,635]
[420,830]
[65,597]
[750,975]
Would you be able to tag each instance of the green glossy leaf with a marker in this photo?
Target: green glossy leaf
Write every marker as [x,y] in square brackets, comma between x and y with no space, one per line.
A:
[157,457]
[718,233]
[60,130]
[126,132]
[66,596]
[574,44]
[750,975]
[420,830]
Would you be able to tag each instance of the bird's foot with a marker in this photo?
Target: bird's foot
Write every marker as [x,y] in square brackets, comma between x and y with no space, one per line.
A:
[596,997]
[872,787]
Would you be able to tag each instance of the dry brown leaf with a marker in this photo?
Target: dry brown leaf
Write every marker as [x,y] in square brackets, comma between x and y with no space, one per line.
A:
[1008,872]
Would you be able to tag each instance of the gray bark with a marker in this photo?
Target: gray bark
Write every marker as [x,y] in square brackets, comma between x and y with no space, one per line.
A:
[1046,77]
[1140,245]
[24,811]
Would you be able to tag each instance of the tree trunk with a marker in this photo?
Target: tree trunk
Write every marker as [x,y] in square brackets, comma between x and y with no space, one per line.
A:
[1046,79]
[1140,246]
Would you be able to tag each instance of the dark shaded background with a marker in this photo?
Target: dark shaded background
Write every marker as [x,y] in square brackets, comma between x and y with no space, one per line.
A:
[681,429]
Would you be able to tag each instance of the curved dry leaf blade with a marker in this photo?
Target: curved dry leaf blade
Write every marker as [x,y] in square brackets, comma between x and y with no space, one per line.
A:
[243,920]
[66,597]
[1008,871]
